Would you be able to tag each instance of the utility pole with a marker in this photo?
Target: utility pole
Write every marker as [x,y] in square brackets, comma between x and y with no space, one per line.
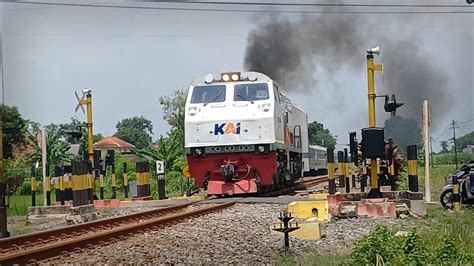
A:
[426,142]
[431,152]
[44,160]
[454,141]
[3,182]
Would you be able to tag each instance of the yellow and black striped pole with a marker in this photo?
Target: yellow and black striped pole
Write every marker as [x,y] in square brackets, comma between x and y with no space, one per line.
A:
[391,168]
[114,193]
[341,168]
[90,183]
[346,171]
[392,177]
[353,175]
[33,185]
[68,182]
[363,178]
[125,180]
[456,195]
[412,155]
[101,184]
[47,186]
[59,172]
[331,171]
[138,167]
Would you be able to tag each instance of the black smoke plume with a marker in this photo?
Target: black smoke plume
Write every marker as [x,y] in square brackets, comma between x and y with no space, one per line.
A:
[299,52]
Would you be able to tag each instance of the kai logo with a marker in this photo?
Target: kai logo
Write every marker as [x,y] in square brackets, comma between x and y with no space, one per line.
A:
[226,129]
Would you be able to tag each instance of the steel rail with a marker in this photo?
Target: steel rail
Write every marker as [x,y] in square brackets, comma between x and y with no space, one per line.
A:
[55,249]
[69,231]
[299,185]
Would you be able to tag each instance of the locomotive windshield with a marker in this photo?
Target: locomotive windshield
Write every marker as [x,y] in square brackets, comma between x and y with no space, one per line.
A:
[251,92]
[208,94]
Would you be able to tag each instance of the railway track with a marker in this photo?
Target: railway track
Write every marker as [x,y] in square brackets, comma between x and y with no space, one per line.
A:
[32,248]
[299,185]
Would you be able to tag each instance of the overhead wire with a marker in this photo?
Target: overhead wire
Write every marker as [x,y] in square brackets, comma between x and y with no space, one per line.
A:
[307,4]
[242,10]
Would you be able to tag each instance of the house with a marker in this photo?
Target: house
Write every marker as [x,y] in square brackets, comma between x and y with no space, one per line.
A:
[113,143]
[469,149]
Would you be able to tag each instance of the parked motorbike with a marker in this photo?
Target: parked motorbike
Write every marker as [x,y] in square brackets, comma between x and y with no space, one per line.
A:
[465,179]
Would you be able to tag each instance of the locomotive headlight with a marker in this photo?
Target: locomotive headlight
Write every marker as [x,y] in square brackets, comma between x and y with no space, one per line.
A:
[225,77]
[208,78]
[261,148]
[235,77]
[198,152]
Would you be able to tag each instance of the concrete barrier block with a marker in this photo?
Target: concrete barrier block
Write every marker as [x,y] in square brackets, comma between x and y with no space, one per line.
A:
[418,207]
[380,207]
[114,204]
[99,204]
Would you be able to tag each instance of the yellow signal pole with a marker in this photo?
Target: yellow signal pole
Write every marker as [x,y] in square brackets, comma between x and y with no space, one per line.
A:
[371,68]
[90,136]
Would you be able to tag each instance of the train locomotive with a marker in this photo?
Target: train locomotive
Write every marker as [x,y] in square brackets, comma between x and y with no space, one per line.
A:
[242,135]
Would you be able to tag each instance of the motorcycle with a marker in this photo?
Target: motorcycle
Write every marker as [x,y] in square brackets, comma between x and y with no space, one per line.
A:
[465,179]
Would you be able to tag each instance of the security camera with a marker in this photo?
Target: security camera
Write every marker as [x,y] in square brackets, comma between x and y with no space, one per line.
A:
[375,50]
[86,91]
[469,1]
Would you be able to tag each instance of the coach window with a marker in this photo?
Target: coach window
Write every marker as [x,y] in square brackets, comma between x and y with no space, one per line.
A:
[208,94]
[251,92]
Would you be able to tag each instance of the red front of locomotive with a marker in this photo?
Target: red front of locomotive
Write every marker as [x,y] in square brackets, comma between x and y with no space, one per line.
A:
[229,170]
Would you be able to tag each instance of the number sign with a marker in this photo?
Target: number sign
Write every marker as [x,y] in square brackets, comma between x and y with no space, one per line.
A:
[160,167]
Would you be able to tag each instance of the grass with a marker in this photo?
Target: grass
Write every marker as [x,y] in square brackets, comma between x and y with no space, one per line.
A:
[431,228]
[436,226]
[438,175]
[19,203]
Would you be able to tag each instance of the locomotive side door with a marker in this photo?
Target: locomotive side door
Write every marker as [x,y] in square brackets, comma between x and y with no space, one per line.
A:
[279,116]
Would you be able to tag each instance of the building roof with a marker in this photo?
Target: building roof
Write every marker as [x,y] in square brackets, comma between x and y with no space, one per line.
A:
[112,143]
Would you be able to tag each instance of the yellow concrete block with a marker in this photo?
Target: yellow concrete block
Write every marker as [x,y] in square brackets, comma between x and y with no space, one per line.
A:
[309,209]
[318,196]
[309,229]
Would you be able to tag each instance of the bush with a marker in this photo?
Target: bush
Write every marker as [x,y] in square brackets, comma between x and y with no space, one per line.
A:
[414,249]
[380,247]
[449,251]
[448,158]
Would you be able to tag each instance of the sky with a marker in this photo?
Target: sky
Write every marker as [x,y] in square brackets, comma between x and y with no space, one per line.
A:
[131,57]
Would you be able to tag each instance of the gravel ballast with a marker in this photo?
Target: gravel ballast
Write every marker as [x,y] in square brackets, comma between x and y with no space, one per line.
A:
[239,234]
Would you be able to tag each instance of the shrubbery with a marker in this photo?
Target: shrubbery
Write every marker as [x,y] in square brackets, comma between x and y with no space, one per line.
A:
[382,247]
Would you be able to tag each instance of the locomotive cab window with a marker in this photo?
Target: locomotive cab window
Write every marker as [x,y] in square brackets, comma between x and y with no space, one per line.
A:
[251,92]
[208,94]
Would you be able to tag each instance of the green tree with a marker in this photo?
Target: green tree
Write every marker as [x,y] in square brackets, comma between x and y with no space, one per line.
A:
[173,113]
[135,130]
[444,146]
[170,148]
[404,131]
[317,134]
[465,140]
[75,124]
[56,147]
[14,129]
[173,108]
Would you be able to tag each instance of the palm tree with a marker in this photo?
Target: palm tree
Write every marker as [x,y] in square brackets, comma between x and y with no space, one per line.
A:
[56,147]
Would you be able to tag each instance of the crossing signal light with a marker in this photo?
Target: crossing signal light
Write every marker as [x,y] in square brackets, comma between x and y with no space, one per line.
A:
[75,133]
[391,105]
